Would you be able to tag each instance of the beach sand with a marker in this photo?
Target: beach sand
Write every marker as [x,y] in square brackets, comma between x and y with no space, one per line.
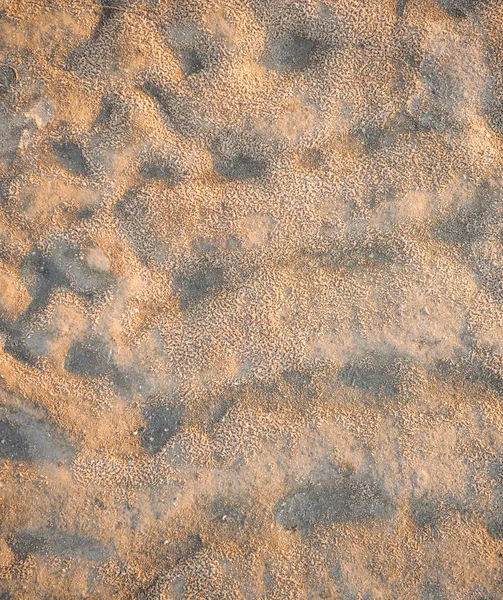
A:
[251,299]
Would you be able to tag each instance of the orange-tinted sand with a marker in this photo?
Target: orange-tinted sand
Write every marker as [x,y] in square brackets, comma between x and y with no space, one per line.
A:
[251,299]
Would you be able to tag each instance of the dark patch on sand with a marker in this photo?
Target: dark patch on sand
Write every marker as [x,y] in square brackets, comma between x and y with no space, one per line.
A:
[371,253]
[113,126]
[221,410]
[196,286]
[173,107]
[15,343]
[29,435]
[458,8]
[159,169]
[13,445]
[473,370]
[192,61]
[91,357]
[495,528]
[466,224]
[71,156]
[65,266]
[400,7]
[425,511]
[312,159]
[229,511]
[238,168]
[292,52]
[7,79]
[75,271]
[85,213]
[433,108]
[299,380]
[432,590]
[162,96]
[61,543]
[345,499]
[46,275]
[109,109]
[182,550]
[375,138]
[98,50]
[380,372]
[161,424]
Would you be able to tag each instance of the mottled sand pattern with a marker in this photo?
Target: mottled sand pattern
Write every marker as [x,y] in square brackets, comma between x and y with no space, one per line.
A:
[251,299]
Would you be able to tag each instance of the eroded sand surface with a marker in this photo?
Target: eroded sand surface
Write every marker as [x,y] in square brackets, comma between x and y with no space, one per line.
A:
[251,299]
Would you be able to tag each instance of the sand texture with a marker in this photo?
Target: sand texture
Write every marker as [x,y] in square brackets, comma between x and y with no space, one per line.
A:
[251,299]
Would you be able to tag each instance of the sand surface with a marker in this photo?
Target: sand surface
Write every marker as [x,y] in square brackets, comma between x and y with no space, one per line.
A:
[251,299]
